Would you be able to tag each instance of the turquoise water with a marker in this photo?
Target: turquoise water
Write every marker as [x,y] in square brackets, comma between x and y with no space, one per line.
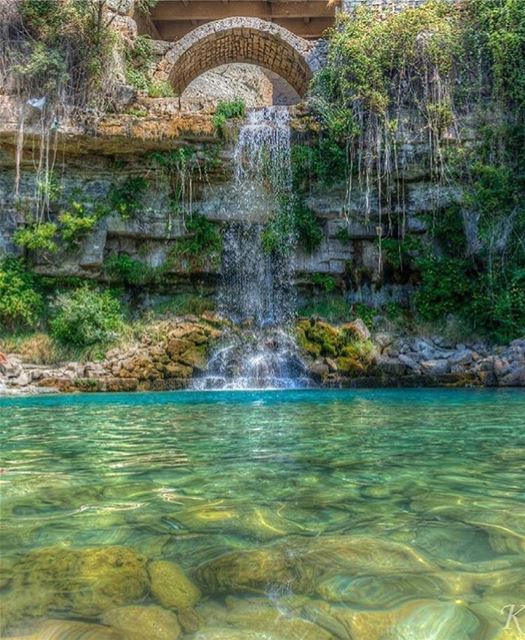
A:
[362,515]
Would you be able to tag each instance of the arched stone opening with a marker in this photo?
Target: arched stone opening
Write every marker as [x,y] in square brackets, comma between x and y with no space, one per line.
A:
[231,40]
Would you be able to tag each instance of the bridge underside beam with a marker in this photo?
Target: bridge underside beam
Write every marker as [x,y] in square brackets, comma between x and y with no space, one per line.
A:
[306,18]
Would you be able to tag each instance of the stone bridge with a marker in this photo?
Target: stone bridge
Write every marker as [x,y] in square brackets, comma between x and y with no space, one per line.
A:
[240,39]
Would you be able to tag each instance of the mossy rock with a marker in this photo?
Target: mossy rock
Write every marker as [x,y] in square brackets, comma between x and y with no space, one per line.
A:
[350,367]
[143,623]
[85,582]
[171,586]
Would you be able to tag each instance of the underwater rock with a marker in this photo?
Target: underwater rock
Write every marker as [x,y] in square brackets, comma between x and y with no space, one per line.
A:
[70,630]
[414,620]
[380,591]
[233,634]
[252,570]
[265,617]
[83,581]
[171,586]
[299,563]
[258,522]
[438,621]
[360,555]
[143,623]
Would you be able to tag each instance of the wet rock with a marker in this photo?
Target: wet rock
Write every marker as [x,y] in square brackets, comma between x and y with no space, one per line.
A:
[439,621]
[360,555]
[233,634]
[249,570]
[143,623]
[262,616]
[171,586]
[258,522]
[71,630]
[83,581]
[357,330]
[380,591]
[435,367]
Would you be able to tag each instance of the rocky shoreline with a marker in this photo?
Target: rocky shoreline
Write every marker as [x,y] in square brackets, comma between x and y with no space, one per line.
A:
[176,353]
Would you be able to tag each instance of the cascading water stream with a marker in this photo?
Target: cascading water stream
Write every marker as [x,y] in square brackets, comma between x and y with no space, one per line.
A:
[257,290]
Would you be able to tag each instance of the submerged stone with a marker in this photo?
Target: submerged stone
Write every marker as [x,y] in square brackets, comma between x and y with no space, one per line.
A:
[438,621]
[171,586]
[143,623]
[253,570]
[71,630]
[258,522]
[380,591]
[85,582]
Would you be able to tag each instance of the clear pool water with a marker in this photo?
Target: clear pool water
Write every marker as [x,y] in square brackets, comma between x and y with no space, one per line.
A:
[361,515]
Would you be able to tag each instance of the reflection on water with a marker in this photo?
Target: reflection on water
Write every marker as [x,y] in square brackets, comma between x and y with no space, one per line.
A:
[367,515]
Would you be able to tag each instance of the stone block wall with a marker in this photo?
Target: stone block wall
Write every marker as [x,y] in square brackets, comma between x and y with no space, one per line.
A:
[382,5]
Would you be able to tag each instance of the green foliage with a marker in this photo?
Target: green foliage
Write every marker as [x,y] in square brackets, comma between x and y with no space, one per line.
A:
[294,221]
[37,237]
[324,162]
[228,111]
[365,312]
[202,245]
[324,281]
[186,304]
[86,317]
[332,308]
[21,303]
[131,272]
[125,198]
[145,6]
[76,221]
[496,37]
[62,50]
[139,64]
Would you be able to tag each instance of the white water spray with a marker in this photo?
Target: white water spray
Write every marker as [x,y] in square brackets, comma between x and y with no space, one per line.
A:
[257,288]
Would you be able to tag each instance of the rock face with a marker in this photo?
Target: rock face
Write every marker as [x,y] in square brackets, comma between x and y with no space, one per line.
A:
[233,81]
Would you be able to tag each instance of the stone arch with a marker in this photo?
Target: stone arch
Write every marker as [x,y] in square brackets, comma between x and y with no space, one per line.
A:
[250,40]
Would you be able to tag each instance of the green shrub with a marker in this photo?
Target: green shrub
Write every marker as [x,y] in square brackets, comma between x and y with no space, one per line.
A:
[186,304]
[86,317]
[202,244]
[332,308]
[21,303]
[228,111]
[125,198]
[129,271]
[324,281]
[37,237]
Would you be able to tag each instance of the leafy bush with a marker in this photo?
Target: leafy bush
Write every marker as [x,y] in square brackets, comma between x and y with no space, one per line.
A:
[37,237]
[21,303]
[63,50]
[202,244]
[324,281]
[186,304]
[125,198]
[228,111]
[86,317]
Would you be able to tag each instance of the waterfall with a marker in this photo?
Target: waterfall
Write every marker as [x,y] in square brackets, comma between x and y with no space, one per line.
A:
[256,286]
[257,290]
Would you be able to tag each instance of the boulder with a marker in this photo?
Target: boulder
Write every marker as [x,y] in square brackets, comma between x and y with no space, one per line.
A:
[143,623]
[171,586]
[85,582]
[435,367]
[357,329]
